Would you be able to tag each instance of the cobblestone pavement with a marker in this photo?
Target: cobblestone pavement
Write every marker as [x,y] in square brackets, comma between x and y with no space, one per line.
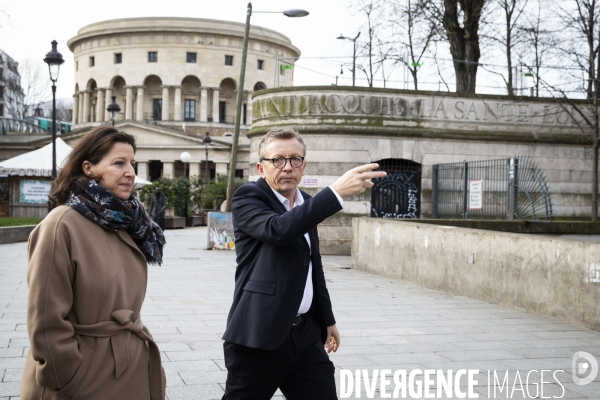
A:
[385,324]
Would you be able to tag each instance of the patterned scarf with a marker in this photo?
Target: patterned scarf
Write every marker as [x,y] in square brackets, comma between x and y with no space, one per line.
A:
[100,206]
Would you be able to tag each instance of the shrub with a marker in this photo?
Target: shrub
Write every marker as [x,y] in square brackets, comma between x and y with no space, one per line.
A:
[165,184]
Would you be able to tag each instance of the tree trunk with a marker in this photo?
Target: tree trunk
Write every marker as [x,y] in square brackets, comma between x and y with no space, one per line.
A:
[509,84]
[595,179]
[464,41]
[413,72]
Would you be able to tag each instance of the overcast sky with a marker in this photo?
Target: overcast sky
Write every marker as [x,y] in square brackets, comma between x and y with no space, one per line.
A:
[30,26]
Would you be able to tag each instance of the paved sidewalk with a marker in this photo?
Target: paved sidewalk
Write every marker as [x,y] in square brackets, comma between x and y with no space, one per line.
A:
[384,324]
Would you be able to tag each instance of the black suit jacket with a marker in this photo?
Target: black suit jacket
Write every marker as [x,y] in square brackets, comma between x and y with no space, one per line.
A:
[272,265]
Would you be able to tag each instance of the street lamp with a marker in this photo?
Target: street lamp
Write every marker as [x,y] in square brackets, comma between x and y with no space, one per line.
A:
[207,140]
[185,159]
[353,54]
[54,59]
[113,109]
[295,13]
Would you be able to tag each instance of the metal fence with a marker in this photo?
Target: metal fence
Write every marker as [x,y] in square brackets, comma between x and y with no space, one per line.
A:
[16,125]
[508,188]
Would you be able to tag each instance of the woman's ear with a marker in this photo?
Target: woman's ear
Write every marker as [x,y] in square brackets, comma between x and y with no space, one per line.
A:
[87,168]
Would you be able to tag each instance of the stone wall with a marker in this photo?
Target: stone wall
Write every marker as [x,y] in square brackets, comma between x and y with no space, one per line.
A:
[552,277]
[13,234]
[346,126]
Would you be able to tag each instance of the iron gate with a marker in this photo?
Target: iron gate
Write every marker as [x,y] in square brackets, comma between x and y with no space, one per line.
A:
[397,195]
[506,188]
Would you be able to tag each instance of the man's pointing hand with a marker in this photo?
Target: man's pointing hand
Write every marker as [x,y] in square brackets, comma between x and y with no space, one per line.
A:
[357,180]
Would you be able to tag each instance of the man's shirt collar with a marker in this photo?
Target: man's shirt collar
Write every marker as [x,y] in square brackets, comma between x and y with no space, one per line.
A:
[298,201]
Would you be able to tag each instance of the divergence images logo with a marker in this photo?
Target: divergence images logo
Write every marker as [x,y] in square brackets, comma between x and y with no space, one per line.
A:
[583,364]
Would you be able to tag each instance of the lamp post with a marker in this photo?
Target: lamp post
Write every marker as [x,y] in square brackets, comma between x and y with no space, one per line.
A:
[113,108]
[353,54]
[54,59]
[207,140]
[295,13]
[185,159]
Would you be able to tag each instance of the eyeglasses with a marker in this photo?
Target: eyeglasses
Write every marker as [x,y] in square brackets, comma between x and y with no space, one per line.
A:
[279,162]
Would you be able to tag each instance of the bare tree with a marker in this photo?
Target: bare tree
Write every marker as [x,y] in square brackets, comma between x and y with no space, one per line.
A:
[64,113]
[4,18]
[580,20]
[460,20]
[580,23]
[413,32]
[538,42]
[34,82]
[506,35]
[374,50]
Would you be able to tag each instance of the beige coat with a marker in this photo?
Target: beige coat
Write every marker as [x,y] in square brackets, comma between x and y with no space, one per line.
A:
[86,288]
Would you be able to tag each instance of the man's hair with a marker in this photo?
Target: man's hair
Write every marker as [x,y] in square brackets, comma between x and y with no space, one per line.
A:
[280,133]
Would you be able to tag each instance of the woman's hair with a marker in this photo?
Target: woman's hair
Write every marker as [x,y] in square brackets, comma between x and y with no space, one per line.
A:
[92,147]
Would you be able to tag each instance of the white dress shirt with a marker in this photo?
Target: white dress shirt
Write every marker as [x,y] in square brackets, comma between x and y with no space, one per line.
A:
[308,288]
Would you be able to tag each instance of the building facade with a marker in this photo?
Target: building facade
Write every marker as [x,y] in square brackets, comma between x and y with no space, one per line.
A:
[11,92]
[174,76]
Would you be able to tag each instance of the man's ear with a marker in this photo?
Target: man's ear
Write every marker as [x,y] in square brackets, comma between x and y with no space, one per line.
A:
[261,169]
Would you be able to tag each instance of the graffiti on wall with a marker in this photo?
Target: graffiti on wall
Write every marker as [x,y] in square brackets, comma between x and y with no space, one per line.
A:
[397,195]
[220,231]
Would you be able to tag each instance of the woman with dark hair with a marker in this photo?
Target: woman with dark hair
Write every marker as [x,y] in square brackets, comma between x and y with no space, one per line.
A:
[87,276]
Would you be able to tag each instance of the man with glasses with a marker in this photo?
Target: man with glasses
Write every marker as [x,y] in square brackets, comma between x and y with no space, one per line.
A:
[281,327]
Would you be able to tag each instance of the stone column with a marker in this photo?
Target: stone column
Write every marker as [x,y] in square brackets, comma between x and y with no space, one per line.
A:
[86,106]
[99,105]
[108,101]
[75,120]
[129,103]
[194,169]
[142,170]
[177,104]
[203,104]
[215,110]
[80,111]
[165,104]
[168,170]
[139,113]
[249,108]
[221,168]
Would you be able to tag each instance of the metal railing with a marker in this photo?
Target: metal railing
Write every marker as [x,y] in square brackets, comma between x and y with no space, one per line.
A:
[508,188]
[16,125]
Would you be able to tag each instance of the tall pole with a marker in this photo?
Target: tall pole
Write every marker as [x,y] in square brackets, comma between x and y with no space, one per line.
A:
[185,206]
[206,168]
[238,115]
[54,60]
[53,130]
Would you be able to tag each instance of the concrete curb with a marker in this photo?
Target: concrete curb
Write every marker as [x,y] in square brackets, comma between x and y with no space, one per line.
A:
[13,234]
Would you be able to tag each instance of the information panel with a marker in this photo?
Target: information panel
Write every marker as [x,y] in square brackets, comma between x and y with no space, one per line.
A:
[476,195]
[34,192]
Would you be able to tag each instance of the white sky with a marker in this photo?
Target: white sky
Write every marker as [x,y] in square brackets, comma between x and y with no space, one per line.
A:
[32,24]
